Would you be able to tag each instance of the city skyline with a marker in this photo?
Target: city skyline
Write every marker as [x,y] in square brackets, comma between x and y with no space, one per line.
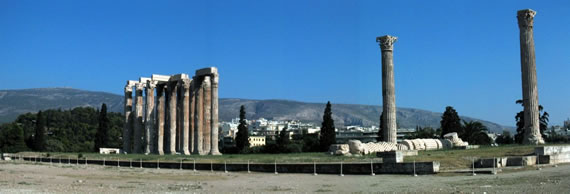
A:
[461,54]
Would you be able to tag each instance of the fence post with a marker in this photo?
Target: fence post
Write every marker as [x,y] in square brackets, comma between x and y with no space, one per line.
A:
[158,163]
[140,162]
[341,169]
[276,167]
[194,165]
[415,168]
[225,167]
[473,163]
[118,163]
[103,161]
[372,168]
[180,164]
[314,168]
[211,166]
[494,164]
[248,167]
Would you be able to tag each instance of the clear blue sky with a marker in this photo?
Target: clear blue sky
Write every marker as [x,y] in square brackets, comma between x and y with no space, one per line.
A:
[459,53]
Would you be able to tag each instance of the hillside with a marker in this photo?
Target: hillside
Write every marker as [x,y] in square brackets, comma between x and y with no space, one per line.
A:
[16,102]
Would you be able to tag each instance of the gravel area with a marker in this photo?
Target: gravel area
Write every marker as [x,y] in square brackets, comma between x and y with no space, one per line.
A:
[43,178]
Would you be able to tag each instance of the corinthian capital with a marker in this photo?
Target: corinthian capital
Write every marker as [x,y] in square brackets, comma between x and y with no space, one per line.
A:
[151,84]
[139,86]
[526,17]
[185,83]
[128,88]
[386,42]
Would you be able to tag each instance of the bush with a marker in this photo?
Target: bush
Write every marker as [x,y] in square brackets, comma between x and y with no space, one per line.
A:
[292,148]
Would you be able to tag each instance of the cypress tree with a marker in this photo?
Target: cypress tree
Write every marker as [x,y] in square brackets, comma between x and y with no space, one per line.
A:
[328,135]
[450,122]
[283,139]
[39,136]
[101,139]
[242,136]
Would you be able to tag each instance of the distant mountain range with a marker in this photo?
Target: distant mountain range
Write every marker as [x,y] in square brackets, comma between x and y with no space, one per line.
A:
[16,102]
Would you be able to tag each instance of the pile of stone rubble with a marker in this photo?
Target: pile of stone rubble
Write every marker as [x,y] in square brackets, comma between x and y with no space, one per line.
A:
[355,147]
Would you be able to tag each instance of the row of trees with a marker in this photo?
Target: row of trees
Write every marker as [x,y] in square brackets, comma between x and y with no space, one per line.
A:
[81,129]
[285,144]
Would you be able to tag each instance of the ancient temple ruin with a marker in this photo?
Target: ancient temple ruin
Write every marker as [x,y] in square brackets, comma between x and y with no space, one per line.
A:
[182,119]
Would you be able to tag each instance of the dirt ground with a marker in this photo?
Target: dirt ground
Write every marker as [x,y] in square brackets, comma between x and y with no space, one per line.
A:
[18,177]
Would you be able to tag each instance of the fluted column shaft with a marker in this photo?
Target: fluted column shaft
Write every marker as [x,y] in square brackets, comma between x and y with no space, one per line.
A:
[214,120]
[185,116]
[139,112]
[160,118]
[191,119]
[207,114]
[171,148]
[150,130]
[198,119]
[388,89]
[529,82]
[127,128]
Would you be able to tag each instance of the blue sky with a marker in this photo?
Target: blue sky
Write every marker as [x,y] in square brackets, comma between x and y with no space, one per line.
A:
[459,53]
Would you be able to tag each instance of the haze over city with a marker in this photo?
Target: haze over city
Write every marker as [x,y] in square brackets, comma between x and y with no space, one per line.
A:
[457,53]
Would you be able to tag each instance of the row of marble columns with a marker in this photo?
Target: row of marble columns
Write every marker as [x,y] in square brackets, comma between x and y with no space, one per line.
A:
[183,118]
[532,133]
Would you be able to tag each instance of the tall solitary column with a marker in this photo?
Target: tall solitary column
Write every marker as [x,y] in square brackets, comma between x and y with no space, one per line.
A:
[388,90]
[139,111]
[171,148]
[150,130]
[186,116]
[160,118]
[207,114]
[198,119]
[529,84]
[128,127]
[214,123]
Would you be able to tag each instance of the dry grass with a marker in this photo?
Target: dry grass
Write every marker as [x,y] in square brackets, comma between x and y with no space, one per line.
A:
[449,159]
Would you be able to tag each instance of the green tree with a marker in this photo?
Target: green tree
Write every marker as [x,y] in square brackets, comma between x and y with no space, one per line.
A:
[101,137]
[450,122]
[283,139]
[475,132]
[242,136]
[328,134]
[519,117]
[505,138]
[12,136]
[380,132]
[39,136]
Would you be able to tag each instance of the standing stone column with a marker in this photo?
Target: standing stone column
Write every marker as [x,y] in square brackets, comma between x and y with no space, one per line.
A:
[199,113]
[150,130]
[185,116]
[171,148]
[192,115]
[388,90]
[207,92]
[214,123]
[529,84]
[128,127]
[139,111]
[160,118]
[179,116]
